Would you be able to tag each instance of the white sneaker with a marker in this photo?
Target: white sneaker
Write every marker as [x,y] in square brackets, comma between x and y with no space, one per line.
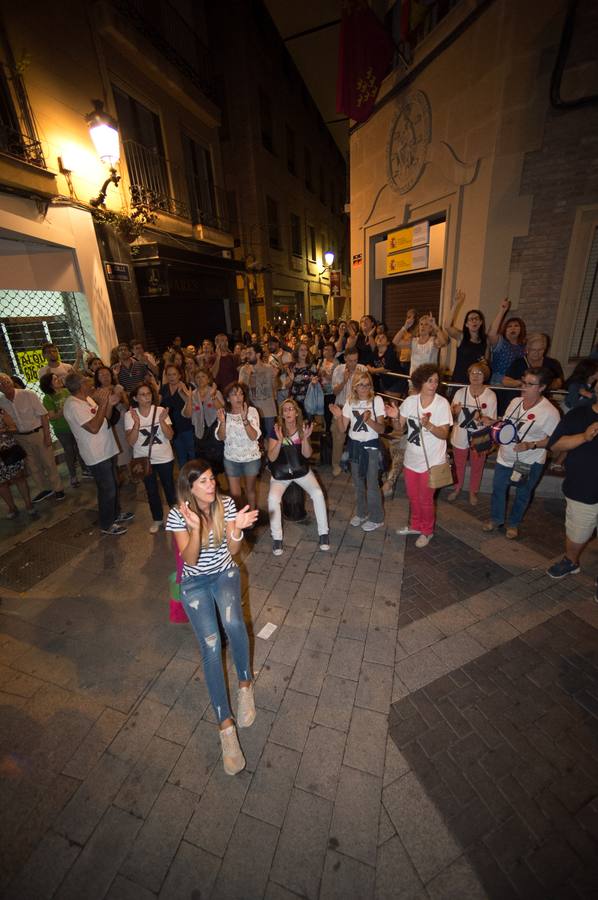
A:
[405,530]
[155,527]
[371,526]
[232,755]
[357,520]
[423,540]
[245,707]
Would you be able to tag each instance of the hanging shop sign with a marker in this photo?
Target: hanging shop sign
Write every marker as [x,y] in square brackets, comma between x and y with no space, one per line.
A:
[30,362]
[407,238]
[117,271]
[408,261]
[335,283]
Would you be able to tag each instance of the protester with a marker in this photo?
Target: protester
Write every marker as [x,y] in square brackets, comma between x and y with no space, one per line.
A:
[425,347]
[129,371]
[325,374]
[55,366]
[88,420]
[174,396]
[302,372]
[202,407]
[381,361]
[208,532]
[428,419]
[142,356]
[32,434]
[363,415]
[279,359]
[472,343]
[149,432]
[577,435]
[474,407]
[260,380]
[55,395]
[507,342]
[224,369]
[536,347]
[289,450]
[12,468]
[341,386]
[520,464]
[410,330]
[239,429]
[581,384]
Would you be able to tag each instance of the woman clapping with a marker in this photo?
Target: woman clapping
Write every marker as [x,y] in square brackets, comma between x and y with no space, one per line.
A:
[239,428]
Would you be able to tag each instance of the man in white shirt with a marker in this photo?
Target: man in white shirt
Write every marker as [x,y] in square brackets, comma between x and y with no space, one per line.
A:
[55,366]
[88,421]
[33,435]
[341,382]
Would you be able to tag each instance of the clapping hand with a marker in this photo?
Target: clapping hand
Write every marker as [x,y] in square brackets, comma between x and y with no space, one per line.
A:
[335,410]
[135,417]
[314,379]
[391,409]
[457,407]
[246,517]
[278,432]
[307,430]
[184,391]
[191,518]
[367,416]
[221,416]
[591,431]
[163,416]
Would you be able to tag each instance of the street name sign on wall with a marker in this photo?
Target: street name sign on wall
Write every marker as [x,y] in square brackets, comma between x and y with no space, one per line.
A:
[117,271]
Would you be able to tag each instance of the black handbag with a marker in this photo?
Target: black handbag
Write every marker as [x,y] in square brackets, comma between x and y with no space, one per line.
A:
[289,464]
[10,456]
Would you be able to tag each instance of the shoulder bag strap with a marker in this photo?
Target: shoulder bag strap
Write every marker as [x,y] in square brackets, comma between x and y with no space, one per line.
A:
[149,449]
[422,429]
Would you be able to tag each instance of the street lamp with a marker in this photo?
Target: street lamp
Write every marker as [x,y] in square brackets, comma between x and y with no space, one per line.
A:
[328,261]
[103,130]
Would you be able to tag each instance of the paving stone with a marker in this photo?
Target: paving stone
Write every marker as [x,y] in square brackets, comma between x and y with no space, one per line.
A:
[139,729]
[335,703]
[321,634]
[492,631]
[345,661]
[345,877]
[395,763]
[85,809]
[192,874]
[271,684]
[301,612]
[182,719]
[277,892]
[453,618]
[375,687]
[366,741]
[214,819]
[147,777]
[197,760]
[395,872]
[321,762]
[457,880]
[156,844]
[293,720]
[172,681]
[300,853]
[287,645]
[123,889]
[421,828]
[313,586]
[418,635]
[354,623]
[44,870]
[420,669]
[310,671]
[457,650]
[356,814]
[380,645]
[94,744]
[332,602]
[386,829]
[100,859]
[272,782]
[385,612]
[361,593]
[247,862]
[253,740]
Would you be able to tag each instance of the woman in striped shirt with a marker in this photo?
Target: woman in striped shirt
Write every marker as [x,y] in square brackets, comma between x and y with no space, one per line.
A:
[208,532]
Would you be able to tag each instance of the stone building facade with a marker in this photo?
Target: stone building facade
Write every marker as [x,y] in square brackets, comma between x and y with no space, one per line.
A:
[471,137]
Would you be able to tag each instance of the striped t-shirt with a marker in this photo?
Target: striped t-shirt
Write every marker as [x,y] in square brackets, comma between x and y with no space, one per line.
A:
[211,559]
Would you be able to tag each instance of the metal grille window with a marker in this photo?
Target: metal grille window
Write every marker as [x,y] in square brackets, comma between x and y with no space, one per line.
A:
[28,319]
[208,202]
[585,330]
[296,242]
[311,242]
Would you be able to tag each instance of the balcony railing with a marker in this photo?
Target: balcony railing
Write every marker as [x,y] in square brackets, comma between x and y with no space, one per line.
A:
[209,205]
[163,26]
[162,187]
[434,13]
[21,146]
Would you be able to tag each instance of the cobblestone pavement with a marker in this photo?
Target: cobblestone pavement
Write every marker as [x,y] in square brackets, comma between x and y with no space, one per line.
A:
[427,720]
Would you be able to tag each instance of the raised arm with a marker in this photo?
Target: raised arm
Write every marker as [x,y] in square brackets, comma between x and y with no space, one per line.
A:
[493,331]
[449,323]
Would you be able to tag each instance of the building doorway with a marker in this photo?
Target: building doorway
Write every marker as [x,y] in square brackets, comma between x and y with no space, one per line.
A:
[419,291]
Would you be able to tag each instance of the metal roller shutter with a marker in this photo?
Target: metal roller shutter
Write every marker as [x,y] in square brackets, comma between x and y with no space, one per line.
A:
[420,291]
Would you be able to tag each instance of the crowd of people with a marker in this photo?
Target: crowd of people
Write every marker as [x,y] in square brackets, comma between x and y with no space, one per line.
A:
[221,411]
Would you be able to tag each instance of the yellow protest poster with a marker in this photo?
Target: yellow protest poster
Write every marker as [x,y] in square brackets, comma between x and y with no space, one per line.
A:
[30,362]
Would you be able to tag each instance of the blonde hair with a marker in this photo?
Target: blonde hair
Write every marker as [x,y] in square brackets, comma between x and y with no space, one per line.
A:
[189,474]
[280,418]
[361,376]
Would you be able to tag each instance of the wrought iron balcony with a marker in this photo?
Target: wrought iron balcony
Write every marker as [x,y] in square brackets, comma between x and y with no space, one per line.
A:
[21,146]
[209,205]
[154,181]
[164,27]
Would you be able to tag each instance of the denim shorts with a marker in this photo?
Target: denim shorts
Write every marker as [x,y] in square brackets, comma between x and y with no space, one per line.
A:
[238,469]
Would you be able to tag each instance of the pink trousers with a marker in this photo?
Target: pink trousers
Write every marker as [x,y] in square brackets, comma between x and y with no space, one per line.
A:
[476,461]
[421,501]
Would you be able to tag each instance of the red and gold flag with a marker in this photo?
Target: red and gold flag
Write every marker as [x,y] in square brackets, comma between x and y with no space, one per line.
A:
[364,59]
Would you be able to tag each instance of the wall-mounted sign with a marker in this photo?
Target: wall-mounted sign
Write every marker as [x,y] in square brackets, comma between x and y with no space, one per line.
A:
[117,271]
[408,261]
[152,281]
[357,260]
[335,283]
[406,238]
[30,362]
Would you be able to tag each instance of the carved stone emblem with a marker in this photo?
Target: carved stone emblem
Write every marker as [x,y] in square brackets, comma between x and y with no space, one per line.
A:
[408,142]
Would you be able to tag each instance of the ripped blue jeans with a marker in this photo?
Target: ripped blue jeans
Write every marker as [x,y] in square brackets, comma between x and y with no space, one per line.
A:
[202,595]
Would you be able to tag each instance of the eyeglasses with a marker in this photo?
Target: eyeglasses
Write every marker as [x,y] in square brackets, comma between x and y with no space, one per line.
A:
[476,372]
[530,383]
